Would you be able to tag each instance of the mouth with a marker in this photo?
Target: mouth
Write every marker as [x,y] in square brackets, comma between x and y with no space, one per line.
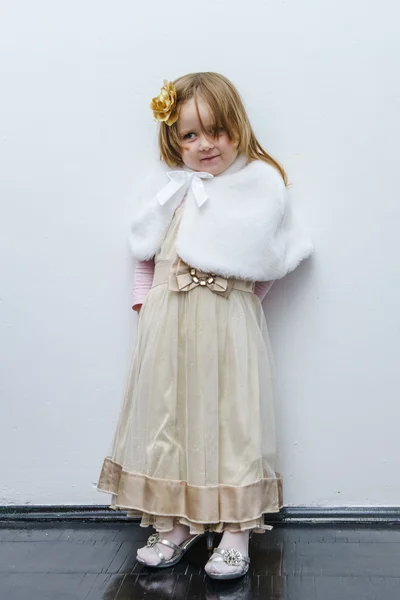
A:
[208,159]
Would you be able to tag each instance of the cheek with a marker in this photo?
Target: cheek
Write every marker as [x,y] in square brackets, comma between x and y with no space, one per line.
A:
[185,152]
[226,145]
[188,156]
[187,149]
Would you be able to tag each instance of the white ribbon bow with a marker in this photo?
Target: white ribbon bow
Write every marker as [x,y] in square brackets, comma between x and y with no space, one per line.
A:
[180,181]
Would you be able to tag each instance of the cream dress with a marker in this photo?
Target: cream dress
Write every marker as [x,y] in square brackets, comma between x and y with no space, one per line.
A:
[195,441]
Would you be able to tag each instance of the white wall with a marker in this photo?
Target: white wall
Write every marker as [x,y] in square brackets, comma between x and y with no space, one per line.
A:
[321,83]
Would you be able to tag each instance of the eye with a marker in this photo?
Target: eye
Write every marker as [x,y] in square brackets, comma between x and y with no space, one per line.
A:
[216,131]
[189,136]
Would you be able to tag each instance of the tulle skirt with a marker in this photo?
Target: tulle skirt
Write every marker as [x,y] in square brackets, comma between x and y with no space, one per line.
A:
[195,440]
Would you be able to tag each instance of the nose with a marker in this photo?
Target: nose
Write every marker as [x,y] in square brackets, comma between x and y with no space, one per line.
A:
[206,143]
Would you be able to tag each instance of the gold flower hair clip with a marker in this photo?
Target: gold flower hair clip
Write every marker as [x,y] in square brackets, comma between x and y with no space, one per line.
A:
[164,105]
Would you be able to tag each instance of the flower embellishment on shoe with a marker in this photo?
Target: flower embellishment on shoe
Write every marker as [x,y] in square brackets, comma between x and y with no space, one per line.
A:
[233,557]
[164,105]
[152,540]
[238,563]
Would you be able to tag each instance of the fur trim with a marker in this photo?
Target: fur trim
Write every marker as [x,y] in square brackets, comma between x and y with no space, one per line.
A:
[244,229]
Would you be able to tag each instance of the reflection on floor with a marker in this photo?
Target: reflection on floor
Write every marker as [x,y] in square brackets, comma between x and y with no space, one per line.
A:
[96,561]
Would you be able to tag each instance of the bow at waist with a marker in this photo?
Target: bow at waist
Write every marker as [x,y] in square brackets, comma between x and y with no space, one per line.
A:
[180,277]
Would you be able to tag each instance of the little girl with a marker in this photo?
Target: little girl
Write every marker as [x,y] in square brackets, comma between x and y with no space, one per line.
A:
[194,451]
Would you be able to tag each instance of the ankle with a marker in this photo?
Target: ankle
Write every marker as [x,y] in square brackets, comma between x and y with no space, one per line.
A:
[235,539]
[178,533]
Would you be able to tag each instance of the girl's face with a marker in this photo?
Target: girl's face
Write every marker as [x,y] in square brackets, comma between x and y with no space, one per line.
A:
[213,152]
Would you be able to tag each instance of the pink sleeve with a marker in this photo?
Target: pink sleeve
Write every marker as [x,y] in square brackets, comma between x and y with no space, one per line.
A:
[262,288]
[142,282]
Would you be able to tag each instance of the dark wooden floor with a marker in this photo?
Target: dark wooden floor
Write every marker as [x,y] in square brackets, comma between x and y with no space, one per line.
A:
[97,562]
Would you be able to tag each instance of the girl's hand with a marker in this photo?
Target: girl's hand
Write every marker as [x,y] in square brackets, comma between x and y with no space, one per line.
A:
[137,307]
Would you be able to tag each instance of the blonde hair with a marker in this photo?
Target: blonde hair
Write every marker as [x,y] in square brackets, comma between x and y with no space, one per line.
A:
[228,112]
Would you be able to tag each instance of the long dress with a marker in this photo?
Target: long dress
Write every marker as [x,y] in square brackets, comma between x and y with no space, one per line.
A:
[195,441]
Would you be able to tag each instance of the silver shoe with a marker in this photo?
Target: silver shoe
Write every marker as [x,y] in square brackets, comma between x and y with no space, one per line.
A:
[179,550]
[233,558]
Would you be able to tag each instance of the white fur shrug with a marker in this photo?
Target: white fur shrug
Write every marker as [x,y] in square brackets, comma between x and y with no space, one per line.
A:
[238,224]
